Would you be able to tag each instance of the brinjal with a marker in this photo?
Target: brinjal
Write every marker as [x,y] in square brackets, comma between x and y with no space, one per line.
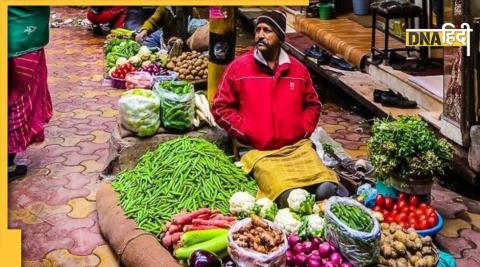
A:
[203,258]
[228,262]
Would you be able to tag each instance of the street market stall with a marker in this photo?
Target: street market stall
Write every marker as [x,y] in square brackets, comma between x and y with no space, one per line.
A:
[176,197]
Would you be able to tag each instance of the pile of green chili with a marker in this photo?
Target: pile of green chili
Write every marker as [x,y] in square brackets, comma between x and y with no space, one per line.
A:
[181,174]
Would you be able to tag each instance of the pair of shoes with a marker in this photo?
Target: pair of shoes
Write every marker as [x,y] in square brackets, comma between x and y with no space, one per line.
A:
[340,63]
[16,171]
[321,55]
[392,99]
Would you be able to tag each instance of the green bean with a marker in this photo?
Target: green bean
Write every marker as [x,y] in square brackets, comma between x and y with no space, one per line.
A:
[181,174]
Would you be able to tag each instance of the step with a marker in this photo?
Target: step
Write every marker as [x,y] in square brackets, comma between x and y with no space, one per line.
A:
[399,82]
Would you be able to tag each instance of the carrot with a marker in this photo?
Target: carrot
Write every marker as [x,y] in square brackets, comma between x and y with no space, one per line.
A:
[187,218]
[218,223]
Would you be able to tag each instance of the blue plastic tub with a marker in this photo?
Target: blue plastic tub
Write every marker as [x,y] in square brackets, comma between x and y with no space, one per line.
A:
[432,231]
[361,7]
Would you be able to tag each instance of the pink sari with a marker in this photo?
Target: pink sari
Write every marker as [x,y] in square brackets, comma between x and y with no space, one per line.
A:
[29,102]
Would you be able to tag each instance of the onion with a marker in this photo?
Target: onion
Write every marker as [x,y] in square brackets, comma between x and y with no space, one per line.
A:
[307,247]
[290,258]
[293,239]
[336,258]
[315,252]
[299,248]
[313,263]
[316,242]
[301,259]
[346,264]
[329,264]
[324,250]
[314,257]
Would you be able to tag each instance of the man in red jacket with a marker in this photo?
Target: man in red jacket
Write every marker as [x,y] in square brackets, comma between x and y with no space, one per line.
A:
[266,98]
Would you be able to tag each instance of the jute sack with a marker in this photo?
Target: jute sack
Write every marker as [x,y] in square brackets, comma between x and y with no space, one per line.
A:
[199,39]
[134,247]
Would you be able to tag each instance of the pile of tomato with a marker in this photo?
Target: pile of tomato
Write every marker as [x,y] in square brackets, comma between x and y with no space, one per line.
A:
[121,71]
[406,211]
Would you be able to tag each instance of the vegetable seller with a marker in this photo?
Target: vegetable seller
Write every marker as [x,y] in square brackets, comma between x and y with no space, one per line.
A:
[29,102]
[266,100]
[159,27]
[115,16]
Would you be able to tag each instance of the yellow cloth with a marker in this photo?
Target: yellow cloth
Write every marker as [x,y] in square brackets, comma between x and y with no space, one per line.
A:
[289,167]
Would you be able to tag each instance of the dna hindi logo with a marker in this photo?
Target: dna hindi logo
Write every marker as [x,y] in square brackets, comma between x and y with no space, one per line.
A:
[447,36]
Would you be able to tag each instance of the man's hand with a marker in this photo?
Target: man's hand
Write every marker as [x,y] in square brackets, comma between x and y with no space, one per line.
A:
[141,36]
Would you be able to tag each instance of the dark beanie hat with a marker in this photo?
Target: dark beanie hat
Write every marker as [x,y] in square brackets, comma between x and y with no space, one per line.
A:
[276,20]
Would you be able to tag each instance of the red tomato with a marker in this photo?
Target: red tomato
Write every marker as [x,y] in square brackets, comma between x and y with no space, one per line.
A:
[422,217]
[411,215]
[423,206]
[386,213]
[429,211]
[401,217]
[402,196]
[405,210]
[421,225]
[388,202]
[412,209]
[395,207]
[411,221]
[389,219]
[432,220]
[413,201]
[380,201]
[401,204]
[377,208]
[419,212]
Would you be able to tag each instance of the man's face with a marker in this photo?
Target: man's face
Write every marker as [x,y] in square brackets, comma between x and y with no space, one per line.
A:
[265,38]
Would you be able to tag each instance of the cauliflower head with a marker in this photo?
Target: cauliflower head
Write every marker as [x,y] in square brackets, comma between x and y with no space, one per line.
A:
[287,220]
[299,200]
[266,208]
[241,203]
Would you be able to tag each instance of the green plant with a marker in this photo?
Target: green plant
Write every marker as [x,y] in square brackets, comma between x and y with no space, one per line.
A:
[407,148]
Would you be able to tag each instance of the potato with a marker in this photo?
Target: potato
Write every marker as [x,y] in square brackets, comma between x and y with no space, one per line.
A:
[400,236]
[402,262]
[421,263]
[200,72]
[176,69]
[418,243]
[400,248]
[412,235]
[427,240]
[197,63]
[427,251]
[430,260]
[198,77]
[414,259]
[205,71]
[204,76]
[386,251]
[181,76]
[189,77]
[170,65]
[194,72]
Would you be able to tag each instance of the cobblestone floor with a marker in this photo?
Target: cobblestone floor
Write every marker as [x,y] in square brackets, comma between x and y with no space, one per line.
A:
[55,205]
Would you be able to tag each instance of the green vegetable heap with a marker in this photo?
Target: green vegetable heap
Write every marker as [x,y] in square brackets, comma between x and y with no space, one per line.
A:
[353,217]
[181,174]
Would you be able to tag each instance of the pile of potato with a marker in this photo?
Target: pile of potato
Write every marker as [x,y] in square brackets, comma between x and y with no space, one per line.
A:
[405,248]
[190,66]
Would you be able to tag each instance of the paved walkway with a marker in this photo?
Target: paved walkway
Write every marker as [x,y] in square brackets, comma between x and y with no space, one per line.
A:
[55,204]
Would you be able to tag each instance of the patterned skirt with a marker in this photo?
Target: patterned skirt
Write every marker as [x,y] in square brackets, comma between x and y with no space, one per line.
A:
[29,102]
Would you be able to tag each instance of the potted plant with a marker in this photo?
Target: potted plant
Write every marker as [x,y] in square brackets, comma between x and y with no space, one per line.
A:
[407,154]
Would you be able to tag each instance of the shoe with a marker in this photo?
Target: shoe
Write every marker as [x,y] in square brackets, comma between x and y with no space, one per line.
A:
[396,59]
[321,55]
[16,171]
[391,99]
[340,63]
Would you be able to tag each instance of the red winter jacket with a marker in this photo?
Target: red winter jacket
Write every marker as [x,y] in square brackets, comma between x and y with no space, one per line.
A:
[266,108]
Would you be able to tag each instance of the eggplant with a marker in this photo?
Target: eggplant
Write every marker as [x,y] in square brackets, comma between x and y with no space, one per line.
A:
[228,262]
[203,258]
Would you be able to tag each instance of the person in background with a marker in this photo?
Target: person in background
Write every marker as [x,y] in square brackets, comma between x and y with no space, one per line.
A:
[159,27]
[137,15]
[29,102]
[115,16]
[437,7]
[266,100]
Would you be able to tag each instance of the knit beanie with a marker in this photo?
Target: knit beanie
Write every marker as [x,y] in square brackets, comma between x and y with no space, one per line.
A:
[276,20]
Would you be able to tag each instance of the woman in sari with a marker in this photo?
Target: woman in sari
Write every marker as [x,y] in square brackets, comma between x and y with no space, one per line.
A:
[29,102]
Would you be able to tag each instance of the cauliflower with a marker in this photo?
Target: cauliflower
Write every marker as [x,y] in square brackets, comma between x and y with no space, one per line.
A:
[266,208]
[287,220]
[135,60]
[144,53]
[299,200]
[120,61]
[241,204]
[312,225]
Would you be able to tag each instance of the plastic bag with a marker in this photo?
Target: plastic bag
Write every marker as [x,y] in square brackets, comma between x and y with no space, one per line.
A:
[138,79]
[319,137]
[177,99]
[194,24]
[360,248]
[250,258]
[172,76]
[140,111]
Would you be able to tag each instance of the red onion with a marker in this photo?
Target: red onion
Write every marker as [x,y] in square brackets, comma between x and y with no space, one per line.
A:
[307,247]
[324,250]
[290,258]
[329,264]
[293,239]
[313,263]
[314,257]
[301,259]
[299,248]
[315,252]
[346,264]
[316,242]
[336,258]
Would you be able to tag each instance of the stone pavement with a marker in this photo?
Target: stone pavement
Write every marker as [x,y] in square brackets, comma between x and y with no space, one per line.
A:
[55,204]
